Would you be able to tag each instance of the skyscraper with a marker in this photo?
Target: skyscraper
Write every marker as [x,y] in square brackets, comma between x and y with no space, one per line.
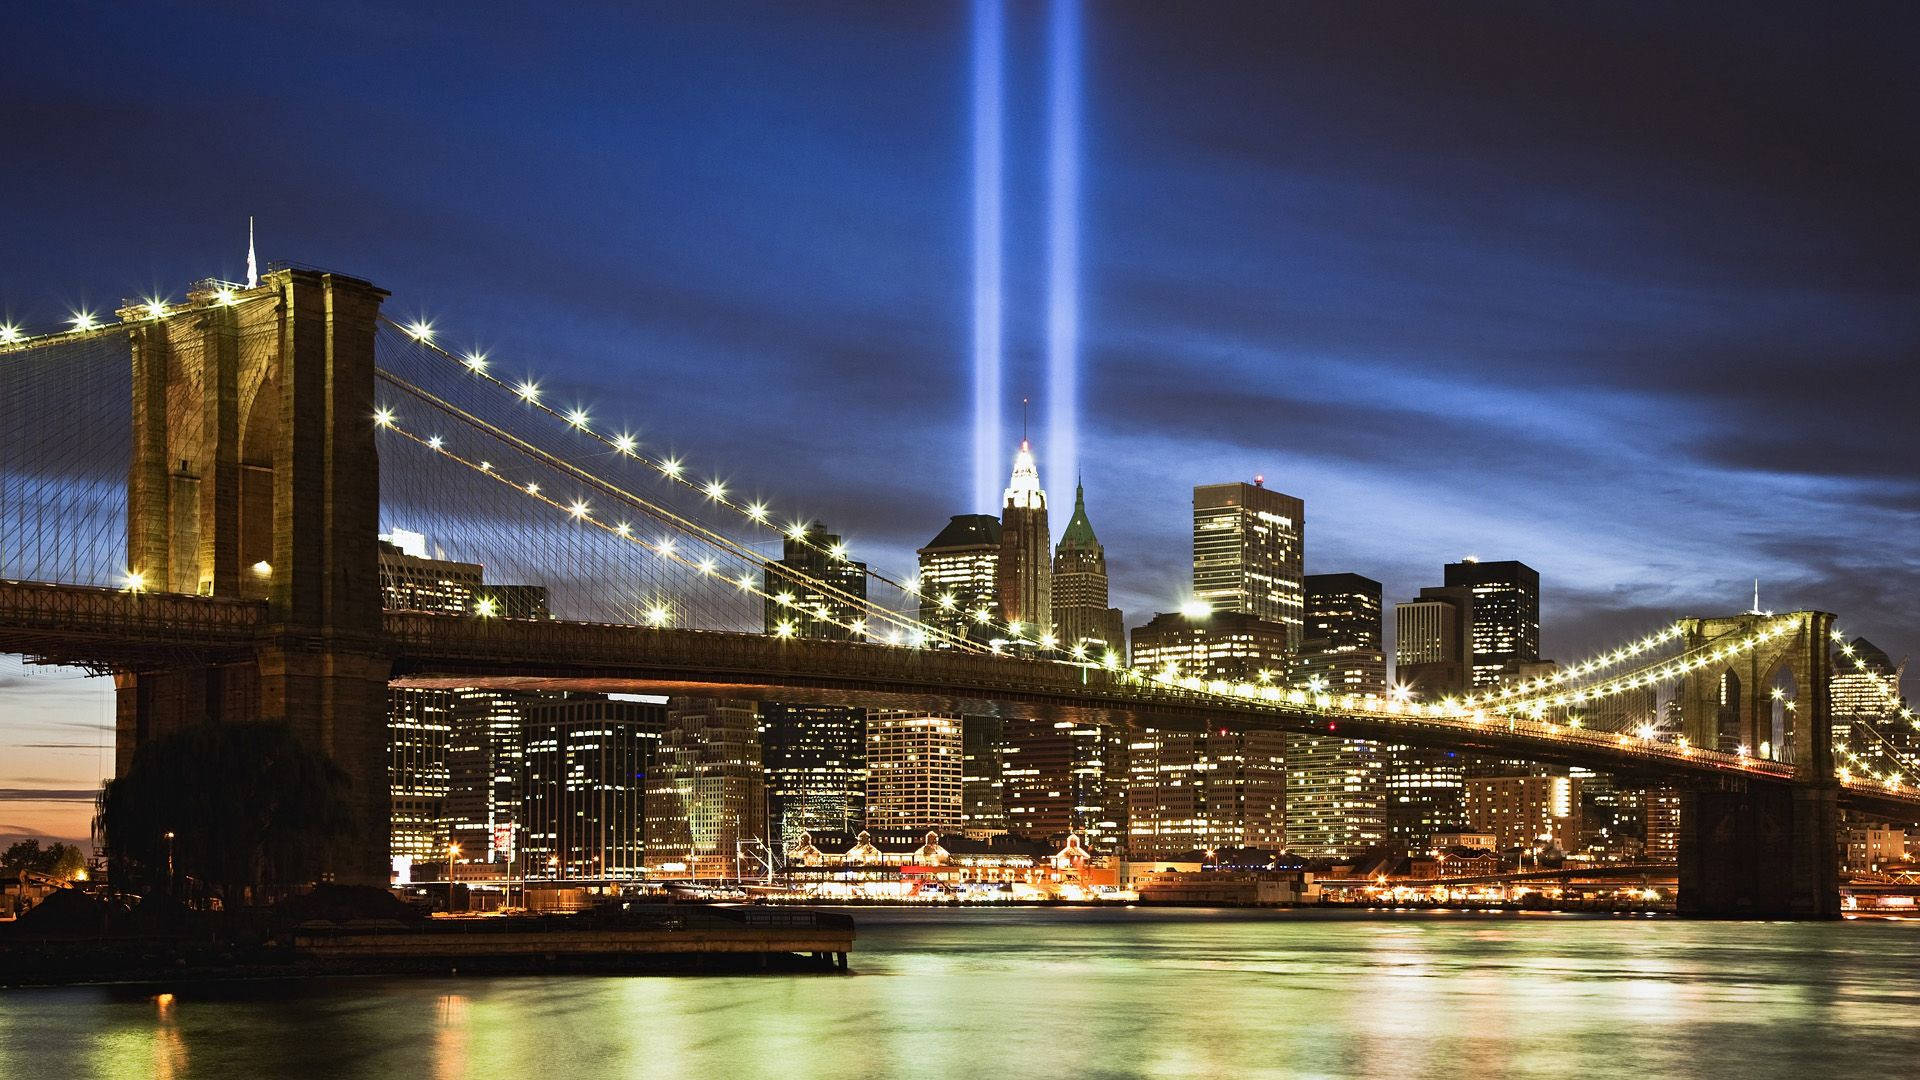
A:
[1433,642]
[807,609]
[1061,777]
[983,806]
[1247,544]
[1336,795]
[419,725]
[1081,617]
[959,576]
[816,768]
[1223,645]
[1025,572]
[1506,613]
[914,771]
[486,761]
[587,760]
[706,794]
[1199,790]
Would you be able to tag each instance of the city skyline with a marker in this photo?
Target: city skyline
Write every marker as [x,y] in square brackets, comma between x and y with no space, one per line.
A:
[1691,342]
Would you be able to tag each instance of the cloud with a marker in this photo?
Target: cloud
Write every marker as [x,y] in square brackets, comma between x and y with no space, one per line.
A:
[85,795]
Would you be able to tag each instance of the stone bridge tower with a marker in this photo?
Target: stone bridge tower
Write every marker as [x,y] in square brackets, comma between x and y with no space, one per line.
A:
[254,475]
[1745,850]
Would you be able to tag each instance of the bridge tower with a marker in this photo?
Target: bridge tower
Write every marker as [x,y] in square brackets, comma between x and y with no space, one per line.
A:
[254,475]
[1744,850]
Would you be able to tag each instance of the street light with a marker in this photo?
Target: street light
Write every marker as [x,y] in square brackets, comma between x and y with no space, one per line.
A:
[453,850]
[169,862]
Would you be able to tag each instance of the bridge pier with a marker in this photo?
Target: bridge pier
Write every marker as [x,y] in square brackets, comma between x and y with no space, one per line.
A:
[1765,853]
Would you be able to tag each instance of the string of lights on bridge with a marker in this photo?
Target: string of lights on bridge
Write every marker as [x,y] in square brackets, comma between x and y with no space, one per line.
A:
[1515,705]
[84,324]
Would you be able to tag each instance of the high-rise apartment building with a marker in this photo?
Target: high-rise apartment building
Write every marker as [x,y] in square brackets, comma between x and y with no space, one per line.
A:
[1247,553]
[587,761]
[419,725]
[486,762]
[1082,621]
[1200,790]
[1424,793]
[706,802]
[914,771]
[1227,645]
[814,591]
[959,577]
[1433,642]
[816,768]
[1061,778]
[1336,795]
[1527,812]
[983,807]
[1505,619]
[1025,573]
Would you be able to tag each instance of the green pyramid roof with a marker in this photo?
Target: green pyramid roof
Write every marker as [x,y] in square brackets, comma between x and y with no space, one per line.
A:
[1079,533]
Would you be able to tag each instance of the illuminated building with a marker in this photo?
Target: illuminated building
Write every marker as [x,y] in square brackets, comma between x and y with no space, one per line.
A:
[1336,798]
[1060,778]
[1526,811]
[983,810]
[1871,848]
[419,724]
[706,800]
[410,580]
[816,771]
[1223,645]
[1423,792]
[1662,810]
[959,576]
[1247,553]
[1433,642]
[1505,615]
[587,760]
[1081,617]
[807,609]
[1025,570]
[1864,696]
[485,763]
[1200,790]
[914,771]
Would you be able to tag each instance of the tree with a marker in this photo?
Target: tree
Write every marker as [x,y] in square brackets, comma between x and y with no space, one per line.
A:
[58,860]
[249,807]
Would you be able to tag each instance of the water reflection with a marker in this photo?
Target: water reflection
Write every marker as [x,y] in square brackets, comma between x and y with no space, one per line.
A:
[1005,994]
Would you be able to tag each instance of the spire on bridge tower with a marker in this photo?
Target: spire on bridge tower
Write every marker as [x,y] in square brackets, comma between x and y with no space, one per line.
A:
[253,266]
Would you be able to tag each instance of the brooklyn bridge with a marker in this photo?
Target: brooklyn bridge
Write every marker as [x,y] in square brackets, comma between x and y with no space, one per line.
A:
[193,496]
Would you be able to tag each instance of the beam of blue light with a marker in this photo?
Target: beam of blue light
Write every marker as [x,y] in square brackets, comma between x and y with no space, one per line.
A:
[989,107]
[1063,243]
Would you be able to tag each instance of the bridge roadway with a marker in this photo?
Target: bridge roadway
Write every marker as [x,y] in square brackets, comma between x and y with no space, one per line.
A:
[104,629]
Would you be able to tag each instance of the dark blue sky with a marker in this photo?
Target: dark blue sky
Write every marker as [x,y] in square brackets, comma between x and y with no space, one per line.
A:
[1625,291]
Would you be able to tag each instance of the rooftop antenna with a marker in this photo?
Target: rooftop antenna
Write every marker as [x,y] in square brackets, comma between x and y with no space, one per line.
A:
[1024,413]
[1756,596]
[253,267]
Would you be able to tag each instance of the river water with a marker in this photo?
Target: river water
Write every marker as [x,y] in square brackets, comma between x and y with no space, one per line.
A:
[1075,993]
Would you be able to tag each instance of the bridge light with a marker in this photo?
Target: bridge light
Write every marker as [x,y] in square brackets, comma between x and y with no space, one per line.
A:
[797,531]
[486,607]
[263,568]
[1845,775]
[858,627]
[1647,732]
[156,309]
[533,488]
[783,629]
[9,333]
[578,418]
[784,599]
[757,511]
[85,320]
[383,417]
[947,601]
[135,581]
[665,547]
[1080,651]
[707,566]
[435,442]
[1049,641]
[420,330]
[528,390]
[838,551]
[657,615]
[224,296]
[624,443]
[1743,750]
[578,509]
[672,467]
[715,490]
[745,582]
[1401,692]
[486,466]
[1112,660]
[983,616]
[1196,609]
[1015,628]
[476,361]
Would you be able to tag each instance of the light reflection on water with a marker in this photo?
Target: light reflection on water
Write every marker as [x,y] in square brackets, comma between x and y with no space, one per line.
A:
[1041,993]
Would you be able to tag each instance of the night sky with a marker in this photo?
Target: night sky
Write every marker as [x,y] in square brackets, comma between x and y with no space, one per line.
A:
[1627,292]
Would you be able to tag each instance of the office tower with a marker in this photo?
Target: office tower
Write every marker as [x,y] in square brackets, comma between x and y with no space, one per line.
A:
[914,771]
[1663,826]
[983,808]
[1025,573]
[1224,645]
[1505,616]
[1061,777]
[1433,642]
[816,768]
[1526,812]
[410,580]
[706,804]
[486,758]
[1424,793]
[1336,796]
[1200,790]
[813,592]
[419,724]
[587,760]
[1864,697]
[959,577]
[1247,553]
[1081,618]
